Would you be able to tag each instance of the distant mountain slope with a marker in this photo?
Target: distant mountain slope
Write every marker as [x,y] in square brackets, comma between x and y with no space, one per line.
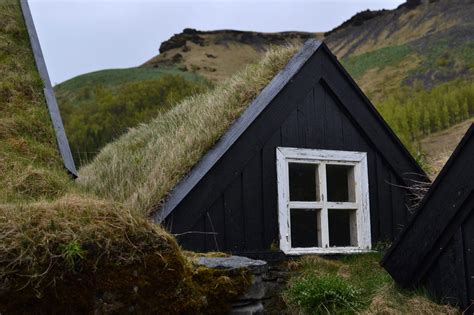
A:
[219,54]
[428,43]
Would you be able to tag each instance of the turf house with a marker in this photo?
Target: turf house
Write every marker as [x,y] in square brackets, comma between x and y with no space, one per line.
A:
[308,167]
[305,165]
[437,247]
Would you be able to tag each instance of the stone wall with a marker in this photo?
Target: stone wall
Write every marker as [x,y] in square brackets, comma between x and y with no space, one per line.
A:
[268,280]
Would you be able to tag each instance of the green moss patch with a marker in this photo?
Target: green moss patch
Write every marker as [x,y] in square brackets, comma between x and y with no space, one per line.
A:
[380,58]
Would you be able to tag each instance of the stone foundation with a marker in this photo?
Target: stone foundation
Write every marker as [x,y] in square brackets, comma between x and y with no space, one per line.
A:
[267,283]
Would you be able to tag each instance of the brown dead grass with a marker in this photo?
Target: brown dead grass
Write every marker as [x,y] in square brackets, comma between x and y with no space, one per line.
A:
[439,146]
[388,300]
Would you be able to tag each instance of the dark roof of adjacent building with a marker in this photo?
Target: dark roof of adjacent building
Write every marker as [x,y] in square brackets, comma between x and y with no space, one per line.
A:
[447,204]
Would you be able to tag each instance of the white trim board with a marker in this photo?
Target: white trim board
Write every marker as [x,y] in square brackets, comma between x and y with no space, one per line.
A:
[360,223]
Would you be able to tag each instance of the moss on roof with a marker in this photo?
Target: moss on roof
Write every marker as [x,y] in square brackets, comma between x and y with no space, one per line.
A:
[140,168]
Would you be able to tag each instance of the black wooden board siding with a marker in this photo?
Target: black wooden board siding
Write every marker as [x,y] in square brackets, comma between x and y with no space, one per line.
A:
[309,113]
[437,247]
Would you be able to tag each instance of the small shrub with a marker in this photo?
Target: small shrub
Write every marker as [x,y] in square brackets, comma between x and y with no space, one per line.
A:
[323,294]
[72,253]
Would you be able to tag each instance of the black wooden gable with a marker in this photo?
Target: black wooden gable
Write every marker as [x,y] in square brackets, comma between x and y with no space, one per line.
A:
[312,103]
[437,247]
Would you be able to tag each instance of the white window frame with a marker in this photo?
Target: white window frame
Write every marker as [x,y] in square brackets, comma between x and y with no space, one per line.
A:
[361,205]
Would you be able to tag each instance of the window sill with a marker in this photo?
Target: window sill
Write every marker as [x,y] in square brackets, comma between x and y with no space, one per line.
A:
[327,251]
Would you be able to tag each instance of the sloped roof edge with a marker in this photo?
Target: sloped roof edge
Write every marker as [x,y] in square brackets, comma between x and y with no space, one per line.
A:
[469,136]
[53,108]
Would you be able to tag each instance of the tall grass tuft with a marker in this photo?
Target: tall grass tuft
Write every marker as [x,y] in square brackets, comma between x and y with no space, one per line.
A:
[323,294]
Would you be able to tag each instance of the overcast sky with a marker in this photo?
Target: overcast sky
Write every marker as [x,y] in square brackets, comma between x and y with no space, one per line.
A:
[79,36]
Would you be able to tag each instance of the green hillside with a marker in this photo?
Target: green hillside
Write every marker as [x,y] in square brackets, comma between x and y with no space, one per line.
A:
[113,78]
[98,107]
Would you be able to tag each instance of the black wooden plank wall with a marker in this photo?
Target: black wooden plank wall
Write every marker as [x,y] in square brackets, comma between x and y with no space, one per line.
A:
[238,198]
[451,278]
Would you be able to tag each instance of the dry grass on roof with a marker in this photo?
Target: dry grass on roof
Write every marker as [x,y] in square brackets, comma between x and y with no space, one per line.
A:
[141,167]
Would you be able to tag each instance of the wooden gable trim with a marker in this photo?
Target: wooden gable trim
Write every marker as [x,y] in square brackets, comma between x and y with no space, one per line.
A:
[440,226]
[48,90]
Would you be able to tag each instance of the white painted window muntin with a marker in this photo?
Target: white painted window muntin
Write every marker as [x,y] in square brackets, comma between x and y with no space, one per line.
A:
[361,205]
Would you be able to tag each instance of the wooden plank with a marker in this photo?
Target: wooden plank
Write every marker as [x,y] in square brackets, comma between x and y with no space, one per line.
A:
[50,98]
[333,125]
[269,189]
[195,239]
[384,200]
[468,250]
[252,203]
[399,209]
[374,191]
[318,120]
[289,130]
[309,119]
[446,278]
[234,216]
[215,223]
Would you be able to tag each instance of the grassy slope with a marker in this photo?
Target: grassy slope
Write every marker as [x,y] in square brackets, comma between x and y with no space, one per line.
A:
[377,292]
[61,249]
[439,146]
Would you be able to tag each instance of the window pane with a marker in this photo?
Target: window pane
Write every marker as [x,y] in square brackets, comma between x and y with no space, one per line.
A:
[340,183]
[342,227]
[303,182]
[305,227]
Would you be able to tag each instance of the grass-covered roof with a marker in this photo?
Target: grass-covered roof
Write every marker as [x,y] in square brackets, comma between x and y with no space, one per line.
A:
[140,168]
[30,164]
